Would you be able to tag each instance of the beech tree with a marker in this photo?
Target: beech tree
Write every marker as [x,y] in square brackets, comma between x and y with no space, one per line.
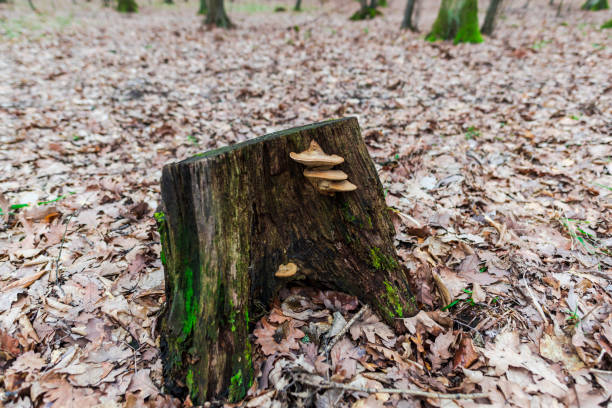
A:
[489,23]
[595,5]
[127,6]
[203,8]
[216,14]
[366,10]
[458,21]
[407,21]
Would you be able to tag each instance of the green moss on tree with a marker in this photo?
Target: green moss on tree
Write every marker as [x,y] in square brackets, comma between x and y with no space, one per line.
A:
[457,20]
[595,5]
[127,6]
[607,24]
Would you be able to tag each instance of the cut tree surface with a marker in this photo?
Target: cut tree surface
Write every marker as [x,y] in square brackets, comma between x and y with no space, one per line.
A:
[235,218]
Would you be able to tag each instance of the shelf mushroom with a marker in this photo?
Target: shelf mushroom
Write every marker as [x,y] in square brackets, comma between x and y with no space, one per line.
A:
[319,172]
[286,270]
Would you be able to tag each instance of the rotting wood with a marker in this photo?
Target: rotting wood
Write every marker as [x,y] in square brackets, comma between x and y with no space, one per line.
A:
[232,217]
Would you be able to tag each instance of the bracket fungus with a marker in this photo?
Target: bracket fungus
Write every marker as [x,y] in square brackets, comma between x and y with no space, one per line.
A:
[286,270]
[319,172]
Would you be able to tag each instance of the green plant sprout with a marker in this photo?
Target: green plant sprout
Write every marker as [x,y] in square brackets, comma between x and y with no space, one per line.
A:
[471,133]
[586,239]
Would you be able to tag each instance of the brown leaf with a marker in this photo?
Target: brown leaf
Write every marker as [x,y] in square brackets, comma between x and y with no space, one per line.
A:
[273,339]
[465,355]
[440,350]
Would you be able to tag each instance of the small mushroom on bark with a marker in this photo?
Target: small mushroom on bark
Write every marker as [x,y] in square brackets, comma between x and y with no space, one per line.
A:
[286,270]
[319,172]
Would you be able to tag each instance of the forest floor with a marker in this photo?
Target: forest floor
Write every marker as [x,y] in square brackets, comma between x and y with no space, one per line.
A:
[497,159]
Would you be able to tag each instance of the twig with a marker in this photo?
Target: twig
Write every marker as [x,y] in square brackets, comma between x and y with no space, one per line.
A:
[322,383]
[536,304]
[342,332]
[59,255]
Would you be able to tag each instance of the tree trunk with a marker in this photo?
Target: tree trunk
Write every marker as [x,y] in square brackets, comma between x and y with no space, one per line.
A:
[203,7]
[366,11]
[127,6]
[408,12]
[489,23]
[216,14]
[298,5]
[231,217]
[595,5]
[457,20]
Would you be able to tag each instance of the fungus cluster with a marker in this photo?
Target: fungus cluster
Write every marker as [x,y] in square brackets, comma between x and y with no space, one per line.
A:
[319,172]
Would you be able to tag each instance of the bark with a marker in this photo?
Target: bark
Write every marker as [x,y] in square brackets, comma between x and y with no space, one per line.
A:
[232,216]
[458,21]
[489,23]
[127,6]
[408,13]
[216,14]
[203,7]
[298,5]
[596,5]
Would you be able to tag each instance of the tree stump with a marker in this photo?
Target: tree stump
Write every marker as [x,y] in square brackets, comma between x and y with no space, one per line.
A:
[232,216]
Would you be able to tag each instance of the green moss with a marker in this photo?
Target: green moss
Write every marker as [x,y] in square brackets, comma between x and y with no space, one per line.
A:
[190,383]
[127,6]
[607,24]
[236,389]
[380,261]
[160,218]
[457,20]
[365,13]
[232,316]
[595,5]
[393,299]
[190,303]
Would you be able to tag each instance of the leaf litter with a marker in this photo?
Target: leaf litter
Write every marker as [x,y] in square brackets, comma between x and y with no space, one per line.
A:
[496,158]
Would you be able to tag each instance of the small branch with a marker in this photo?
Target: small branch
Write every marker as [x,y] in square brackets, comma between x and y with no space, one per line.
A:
[319,382]
[59,255]
[337,337]
[534,299]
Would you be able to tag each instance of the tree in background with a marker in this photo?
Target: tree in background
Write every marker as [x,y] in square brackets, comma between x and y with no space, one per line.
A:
[127,6]
[457,20]
[407,21]
[216,14]
[595,5]
[489,23]
[298,5]
[203,7]
[366,11]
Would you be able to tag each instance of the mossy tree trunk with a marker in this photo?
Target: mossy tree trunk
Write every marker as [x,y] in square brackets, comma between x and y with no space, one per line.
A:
[127,6]
[607,24]
[230,217]
[216,14]
[407,22]
[203,7]
[366,11]
[595,5]
[298,5]
[458,21]
[489,23]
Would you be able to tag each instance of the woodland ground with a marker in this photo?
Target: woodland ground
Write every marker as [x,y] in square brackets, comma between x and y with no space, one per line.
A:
[497,158]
